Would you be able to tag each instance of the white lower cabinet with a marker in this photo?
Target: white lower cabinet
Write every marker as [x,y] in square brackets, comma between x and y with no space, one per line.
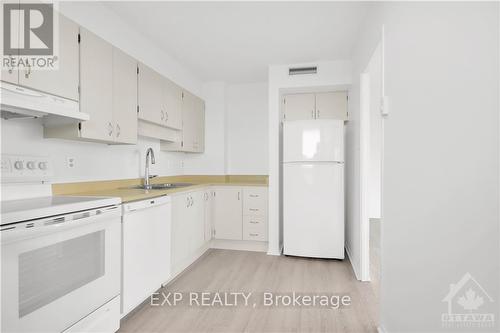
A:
[146,250]
[188,227]
[227,213]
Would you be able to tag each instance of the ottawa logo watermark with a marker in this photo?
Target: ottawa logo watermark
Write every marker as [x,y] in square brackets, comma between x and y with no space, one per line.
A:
[30,37]
[467,305]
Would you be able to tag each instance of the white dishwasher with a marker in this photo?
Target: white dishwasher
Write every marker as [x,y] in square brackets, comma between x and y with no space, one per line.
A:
[146,249]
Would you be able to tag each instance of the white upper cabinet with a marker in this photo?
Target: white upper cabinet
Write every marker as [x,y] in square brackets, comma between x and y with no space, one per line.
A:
[96,86]
[124,97]
[331,105]
[172,97]
[62,81]
[108,94]
[227,213]
[150,96]
[327,105]
[299,106]
[193,126]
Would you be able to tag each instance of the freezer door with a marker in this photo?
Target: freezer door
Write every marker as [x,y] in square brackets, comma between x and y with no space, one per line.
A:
[313,209]
[313,140]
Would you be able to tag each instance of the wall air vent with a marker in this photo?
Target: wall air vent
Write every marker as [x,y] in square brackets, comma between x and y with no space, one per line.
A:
[302,70]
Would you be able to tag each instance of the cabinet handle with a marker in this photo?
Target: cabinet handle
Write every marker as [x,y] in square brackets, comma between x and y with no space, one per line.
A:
[254,222]
[254,195]
[206,196]
[192,201]
[162,114]
[312,114]
[318,114]
[251,234]
[187,201]
[166,116]
[118,130]
[254,209]
[110,129]
[238,195]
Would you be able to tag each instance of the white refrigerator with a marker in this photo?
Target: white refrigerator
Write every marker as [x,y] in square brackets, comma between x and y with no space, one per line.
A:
[313,188]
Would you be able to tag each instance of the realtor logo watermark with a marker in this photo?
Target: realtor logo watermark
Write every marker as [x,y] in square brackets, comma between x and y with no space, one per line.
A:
[467,305]
[29,37]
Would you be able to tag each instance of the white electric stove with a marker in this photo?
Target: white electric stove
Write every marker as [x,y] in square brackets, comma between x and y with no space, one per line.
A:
[60,254]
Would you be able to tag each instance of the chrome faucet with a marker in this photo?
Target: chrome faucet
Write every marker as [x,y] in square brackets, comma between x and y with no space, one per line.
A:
[150,155]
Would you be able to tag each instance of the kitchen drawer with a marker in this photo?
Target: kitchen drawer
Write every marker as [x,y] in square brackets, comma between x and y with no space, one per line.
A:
[255,201]
[255,228]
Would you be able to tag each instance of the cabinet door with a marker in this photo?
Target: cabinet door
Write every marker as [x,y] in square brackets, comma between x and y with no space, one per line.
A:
[197,221]
[10,73]
[189,124]
[124,97]
[199,141]
[228,213]
[173,104]
[208,196]
[180,230]
[150,90]
[331,105]
[299,107]
[96,86]
[62,81]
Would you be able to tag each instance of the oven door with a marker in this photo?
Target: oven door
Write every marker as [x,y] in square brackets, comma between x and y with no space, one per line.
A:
[58,270]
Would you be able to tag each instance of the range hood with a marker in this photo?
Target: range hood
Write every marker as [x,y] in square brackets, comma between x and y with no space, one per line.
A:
[19,102]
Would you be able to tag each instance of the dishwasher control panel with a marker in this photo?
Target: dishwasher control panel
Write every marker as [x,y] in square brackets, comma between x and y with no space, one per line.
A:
[25,168]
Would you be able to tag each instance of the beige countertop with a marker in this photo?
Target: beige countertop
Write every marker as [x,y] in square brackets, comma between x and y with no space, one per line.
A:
[123,190]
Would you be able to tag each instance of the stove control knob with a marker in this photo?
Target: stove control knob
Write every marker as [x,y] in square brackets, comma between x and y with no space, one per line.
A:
[18,165]
[31,165]
[42,165]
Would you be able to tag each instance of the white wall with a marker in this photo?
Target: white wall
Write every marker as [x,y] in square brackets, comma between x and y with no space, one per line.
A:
[247,129]
[374,71]
[330,74]
[440,197]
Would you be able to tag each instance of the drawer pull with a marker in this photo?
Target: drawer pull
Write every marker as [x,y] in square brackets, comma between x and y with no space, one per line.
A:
[254,235]
[254,209]
[254,195]
[254,222]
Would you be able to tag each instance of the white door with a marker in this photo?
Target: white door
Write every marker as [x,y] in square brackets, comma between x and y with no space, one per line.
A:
[96,86]
[299,107]
[228,213]
[150,90]
[331,105]
[208,196]
[62,81]
[124,97]
[172,95]
[10,73]
[313,209]
[313,140]
[146,254]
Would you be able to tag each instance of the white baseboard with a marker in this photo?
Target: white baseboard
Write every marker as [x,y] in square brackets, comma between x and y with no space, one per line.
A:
[354,268]
[240,245]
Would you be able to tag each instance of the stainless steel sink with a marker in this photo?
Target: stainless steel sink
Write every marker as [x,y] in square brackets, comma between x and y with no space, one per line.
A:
[164,186]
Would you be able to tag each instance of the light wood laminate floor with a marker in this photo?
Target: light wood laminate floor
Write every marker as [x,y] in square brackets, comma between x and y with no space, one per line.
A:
[242,271]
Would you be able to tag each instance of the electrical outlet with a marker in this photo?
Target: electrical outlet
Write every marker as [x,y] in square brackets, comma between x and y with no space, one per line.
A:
[70,162]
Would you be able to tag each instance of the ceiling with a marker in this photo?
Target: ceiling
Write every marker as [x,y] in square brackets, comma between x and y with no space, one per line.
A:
[236,41]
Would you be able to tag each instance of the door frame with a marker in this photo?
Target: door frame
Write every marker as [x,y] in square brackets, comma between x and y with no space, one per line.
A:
[365,127]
